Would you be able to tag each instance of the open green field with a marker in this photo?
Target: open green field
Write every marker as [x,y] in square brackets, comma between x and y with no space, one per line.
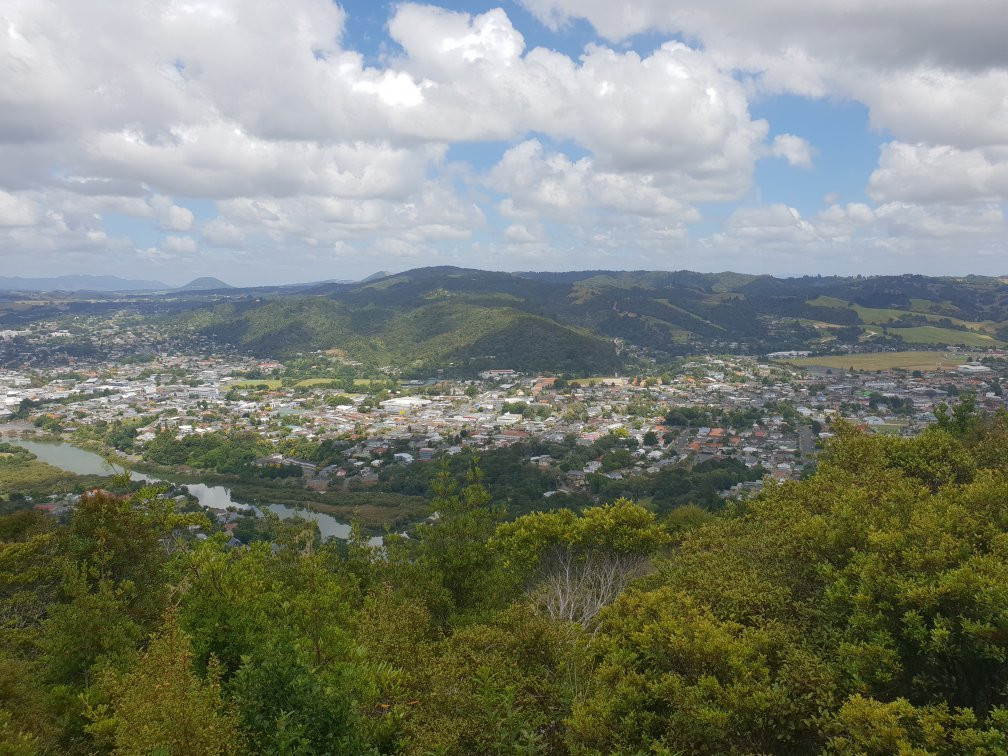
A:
[922,360]
[936,335]
[823,301]
[881,316]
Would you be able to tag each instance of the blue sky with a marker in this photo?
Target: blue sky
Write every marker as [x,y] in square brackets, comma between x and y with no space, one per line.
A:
[265,143]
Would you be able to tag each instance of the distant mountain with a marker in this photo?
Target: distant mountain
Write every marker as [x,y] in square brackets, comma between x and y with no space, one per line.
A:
[79,283]
[205,283]
[376,276]
[460,320]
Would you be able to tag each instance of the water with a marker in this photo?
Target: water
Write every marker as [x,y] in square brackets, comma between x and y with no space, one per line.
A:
[72,459]
[82,462]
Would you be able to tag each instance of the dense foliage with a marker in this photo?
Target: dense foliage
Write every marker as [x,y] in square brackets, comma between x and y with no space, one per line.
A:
[862,610]
[232,453]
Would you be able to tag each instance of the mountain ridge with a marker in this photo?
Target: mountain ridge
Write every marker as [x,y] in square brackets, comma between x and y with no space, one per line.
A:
[447,317]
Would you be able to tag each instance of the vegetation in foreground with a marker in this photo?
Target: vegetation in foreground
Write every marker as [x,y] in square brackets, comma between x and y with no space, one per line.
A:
[863,610]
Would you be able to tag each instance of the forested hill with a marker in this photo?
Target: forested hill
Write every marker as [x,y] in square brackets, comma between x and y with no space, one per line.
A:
[600,320]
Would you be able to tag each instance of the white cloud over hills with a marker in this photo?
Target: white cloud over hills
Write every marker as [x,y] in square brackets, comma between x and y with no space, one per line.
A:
[254,132]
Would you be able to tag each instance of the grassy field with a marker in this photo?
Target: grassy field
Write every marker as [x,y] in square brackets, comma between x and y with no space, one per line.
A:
[923,360]
[922,334]
[823,301]
[936,335]
[881,316]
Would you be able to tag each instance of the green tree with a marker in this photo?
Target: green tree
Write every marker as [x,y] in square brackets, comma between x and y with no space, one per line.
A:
[576,565]
[162,706]
[455,546]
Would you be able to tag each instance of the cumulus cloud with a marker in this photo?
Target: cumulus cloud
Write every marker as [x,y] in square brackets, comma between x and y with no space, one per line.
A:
[258,102]
[969,34]
[171,217]
[179,245]
[890,238]
[311,152]
[550,184]
[933,75]
[222,233]
[924,173]
[523,233]
[17,211]
[795,150]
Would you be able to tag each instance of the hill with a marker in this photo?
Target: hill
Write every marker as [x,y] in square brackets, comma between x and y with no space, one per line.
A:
[460,335]
[79,283]
[205,283]
[595,321]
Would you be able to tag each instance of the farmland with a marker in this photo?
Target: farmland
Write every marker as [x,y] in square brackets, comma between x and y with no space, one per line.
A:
[919,360]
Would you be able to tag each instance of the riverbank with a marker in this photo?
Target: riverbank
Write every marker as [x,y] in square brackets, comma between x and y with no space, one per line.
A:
[72,465]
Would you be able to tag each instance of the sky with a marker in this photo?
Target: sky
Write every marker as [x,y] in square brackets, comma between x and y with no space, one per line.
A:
[281,141]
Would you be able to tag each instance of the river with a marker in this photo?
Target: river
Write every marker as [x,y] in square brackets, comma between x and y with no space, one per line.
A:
[83,462]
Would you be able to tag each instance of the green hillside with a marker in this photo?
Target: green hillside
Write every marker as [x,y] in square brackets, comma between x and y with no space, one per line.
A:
[436,332]
[597,321]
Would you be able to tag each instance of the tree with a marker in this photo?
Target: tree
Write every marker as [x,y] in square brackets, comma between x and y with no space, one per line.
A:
[162,706]
[455,546]
[500,686]
[962,419]
[574,566]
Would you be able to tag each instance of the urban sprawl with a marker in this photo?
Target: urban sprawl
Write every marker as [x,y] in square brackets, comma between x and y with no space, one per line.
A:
[785,411]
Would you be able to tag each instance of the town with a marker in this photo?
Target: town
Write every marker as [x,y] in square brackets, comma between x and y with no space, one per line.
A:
[766,414]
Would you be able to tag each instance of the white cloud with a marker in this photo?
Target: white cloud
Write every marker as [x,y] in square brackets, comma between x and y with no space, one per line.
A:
[171,217]
[922,173]
[546,183]
[795,150]
[221,233]
[969,34]
[17,211]
[523,233]
[179,245]
[313,153]
[892,238]
[966,109]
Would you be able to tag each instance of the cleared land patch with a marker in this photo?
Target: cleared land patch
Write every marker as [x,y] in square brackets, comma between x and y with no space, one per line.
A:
[883,315]
[824,301]
[922,360]
[936,335]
